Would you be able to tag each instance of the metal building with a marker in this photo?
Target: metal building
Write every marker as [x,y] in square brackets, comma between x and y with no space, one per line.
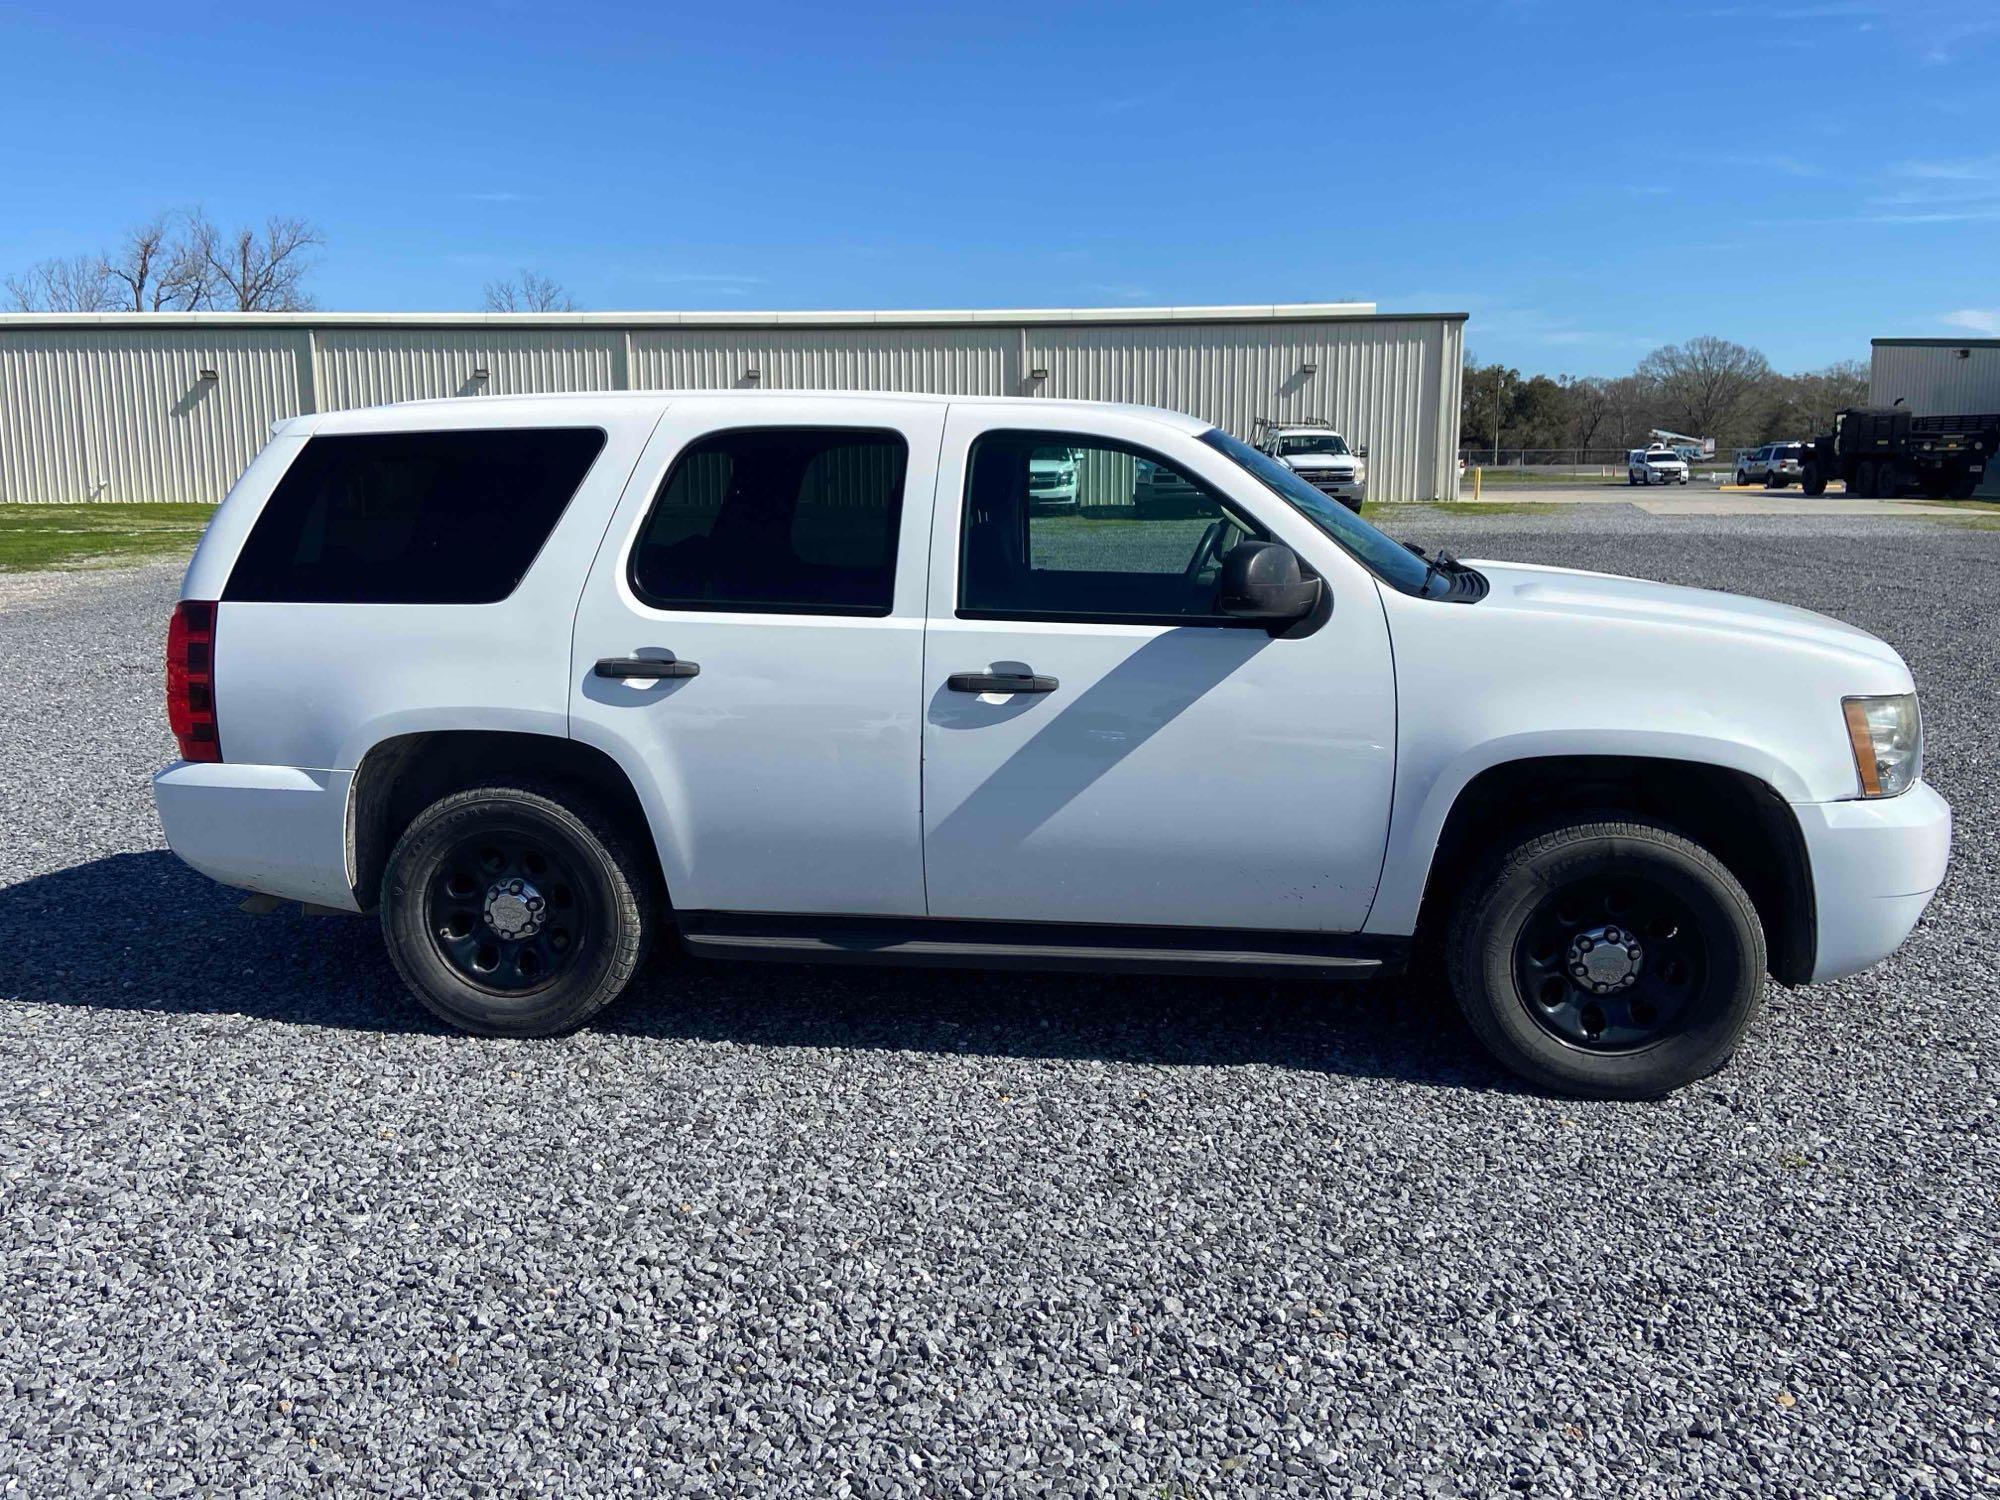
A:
[1936,377]
[172,406]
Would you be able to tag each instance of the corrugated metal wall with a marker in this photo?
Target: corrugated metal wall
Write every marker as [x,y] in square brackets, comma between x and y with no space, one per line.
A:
[130,414]
[1932,380]
[948,361]
[371,366]
[1381,383]
[120,410]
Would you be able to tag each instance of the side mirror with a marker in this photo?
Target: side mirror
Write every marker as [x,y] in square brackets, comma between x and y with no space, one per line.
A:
[1262,581]
[1362,451]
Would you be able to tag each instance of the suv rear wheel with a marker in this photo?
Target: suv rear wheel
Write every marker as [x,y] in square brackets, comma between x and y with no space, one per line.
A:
[514,910]
[1614,960]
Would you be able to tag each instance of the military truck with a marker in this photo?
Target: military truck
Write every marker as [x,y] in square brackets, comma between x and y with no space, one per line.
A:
[1885,451]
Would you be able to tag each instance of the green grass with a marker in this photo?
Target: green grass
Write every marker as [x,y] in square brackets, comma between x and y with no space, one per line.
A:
[1504,477]
[96,536]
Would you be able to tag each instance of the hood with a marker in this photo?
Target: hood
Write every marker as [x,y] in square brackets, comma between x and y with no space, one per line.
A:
[1594,598]
[1321,460]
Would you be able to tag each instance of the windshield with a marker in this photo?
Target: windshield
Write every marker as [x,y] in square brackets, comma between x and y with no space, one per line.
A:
[1312,442]
[1377,551]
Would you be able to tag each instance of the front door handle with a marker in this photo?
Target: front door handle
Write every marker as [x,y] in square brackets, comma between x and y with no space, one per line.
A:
[664,665]
[999,682]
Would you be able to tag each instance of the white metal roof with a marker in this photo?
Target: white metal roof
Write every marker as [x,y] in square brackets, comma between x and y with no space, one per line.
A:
[1263,312]
[1044,406]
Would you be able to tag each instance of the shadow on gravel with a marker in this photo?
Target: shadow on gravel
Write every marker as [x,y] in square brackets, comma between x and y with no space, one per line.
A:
[143,932]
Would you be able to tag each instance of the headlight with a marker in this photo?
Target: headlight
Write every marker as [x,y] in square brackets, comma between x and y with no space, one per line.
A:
[1888,739]
[1360,472]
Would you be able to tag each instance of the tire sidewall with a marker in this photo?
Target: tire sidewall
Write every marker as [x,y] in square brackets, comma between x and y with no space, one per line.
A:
[1483,962]
[579,990]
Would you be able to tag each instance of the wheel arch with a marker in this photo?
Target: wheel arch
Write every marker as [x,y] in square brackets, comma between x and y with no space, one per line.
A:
[1738,817]
[402,775]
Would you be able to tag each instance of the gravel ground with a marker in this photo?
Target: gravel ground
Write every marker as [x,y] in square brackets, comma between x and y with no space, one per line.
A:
[264,1229]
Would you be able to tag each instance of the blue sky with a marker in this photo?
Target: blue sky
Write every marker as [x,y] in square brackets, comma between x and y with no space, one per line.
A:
[1586,180]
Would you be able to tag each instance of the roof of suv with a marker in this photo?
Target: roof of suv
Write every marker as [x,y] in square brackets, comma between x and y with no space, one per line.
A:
[1049,406]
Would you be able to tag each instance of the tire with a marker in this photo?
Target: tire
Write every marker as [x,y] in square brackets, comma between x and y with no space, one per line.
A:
[1812,482]
[1773,482]
[1963,486]
[534,842]
[1862,486]
[1542,904]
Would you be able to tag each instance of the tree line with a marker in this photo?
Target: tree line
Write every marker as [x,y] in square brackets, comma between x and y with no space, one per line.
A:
[1706,387]
[179,261]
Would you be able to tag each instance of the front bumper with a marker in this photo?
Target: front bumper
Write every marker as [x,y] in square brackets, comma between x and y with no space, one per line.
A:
[1875,865]
[274,829]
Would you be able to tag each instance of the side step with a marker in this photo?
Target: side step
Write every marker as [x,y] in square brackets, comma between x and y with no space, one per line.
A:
[944,942]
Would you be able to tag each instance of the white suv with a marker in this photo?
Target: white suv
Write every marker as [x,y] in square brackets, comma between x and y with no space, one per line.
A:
[1655,466]
[813,676]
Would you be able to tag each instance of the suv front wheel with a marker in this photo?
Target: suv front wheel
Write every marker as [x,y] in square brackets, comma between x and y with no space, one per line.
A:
[514,911]
[1614,960]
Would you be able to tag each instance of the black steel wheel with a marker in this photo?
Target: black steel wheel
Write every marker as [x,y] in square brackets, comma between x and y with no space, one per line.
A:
[515,910]
[1609,959]
[507,912]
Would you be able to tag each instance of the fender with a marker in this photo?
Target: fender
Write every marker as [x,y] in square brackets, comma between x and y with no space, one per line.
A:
[1421,807]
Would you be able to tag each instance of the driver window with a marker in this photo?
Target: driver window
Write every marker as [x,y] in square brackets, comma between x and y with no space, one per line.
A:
[1073,527]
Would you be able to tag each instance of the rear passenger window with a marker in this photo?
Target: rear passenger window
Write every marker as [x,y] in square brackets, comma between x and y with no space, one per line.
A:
[780,520]
[412,517]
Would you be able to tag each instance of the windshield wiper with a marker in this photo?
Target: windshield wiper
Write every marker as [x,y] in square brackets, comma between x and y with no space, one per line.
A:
[1431,569]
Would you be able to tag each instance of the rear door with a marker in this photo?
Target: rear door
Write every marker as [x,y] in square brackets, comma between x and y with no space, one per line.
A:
[1099,745]
[774,549]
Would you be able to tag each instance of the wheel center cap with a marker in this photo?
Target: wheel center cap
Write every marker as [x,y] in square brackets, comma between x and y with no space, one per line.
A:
[1605,959]
[514,908]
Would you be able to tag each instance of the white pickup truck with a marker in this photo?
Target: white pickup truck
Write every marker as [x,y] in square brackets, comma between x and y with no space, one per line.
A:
[1321,457]
[545,680]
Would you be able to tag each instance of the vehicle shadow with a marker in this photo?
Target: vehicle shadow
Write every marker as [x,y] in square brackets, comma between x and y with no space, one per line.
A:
[142,932]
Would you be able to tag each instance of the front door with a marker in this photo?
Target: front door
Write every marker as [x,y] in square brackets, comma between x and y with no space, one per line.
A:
[1099,745]
[749,647]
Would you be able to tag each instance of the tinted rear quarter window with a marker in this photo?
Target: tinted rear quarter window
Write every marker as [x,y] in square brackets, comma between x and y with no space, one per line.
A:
[412,517]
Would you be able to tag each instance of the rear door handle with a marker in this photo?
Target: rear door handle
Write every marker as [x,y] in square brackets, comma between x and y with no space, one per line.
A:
[999,682]
[665,665]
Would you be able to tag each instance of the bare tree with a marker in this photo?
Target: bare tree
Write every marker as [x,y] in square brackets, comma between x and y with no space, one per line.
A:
[1708,386]
[1590,408]
[1808,400]
[258,272]
[161,270]
[532,292]
[76,285]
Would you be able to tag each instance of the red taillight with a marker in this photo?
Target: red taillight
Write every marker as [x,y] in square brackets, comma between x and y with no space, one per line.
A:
[191,680]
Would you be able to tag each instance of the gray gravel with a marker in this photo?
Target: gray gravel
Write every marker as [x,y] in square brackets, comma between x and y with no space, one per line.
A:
[264,1229]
